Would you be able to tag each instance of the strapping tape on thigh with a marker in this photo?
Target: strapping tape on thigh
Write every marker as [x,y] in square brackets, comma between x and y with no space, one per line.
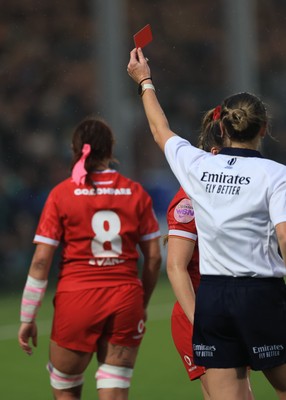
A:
[61,381]
[110,376]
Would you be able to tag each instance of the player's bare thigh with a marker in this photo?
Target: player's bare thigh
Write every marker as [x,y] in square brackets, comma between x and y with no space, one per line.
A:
[75,362]
[69,361]
[113,354]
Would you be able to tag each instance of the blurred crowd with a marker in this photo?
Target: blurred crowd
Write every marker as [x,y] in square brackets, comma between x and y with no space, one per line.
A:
[47,80]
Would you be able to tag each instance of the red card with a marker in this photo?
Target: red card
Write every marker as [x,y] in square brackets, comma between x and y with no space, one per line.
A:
[143,37]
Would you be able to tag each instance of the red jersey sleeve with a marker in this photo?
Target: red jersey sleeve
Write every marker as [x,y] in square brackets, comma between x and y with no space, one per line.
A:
[181,218]
[50,229]
[149,226]
[181,223]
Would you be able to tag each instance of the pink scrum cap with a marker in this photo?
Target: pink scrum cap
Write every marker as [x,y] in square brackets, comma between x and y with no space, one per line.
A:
[79,172]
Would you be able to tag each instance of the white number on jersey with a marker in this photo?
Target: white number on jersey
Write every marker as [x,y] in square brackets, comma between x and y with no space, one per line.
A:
[107,241]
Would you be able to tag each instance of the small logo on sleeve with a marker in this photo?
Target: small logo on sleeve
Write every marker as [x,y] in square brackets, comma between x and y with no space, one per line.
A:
[184,211]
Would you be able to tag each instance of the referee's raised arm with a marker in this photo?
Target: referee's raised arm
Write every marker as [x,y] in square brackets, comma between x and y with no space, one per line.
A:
[140,72]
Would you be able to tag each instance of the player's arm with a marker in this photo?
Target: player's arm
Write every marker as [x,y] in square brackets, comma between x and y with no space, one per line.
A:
[42,261]
[281,236]
[138,69]
[33,293]
[151,267]
[180,252]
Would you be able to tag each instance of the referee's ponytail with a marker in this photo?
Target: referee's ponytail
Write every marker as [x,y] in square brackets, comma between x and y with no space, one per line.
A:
[242,116]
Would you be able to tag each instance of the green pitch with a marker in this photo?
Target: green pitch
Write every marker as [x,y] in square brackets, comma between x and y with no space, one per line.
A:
[159,373]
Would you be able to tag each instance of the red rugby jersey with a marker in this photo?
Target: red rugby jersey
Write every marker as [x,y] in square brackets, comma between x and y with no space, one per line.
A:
[99,229]
[181,223]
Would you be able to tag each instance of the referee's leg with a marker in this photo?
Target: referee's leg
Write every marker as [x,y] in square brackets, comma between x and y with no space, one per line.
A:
[277,378]
[228,383]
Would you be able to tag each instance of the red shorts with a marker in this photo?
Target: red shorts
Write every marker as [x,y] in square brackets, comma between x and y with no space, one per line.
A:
[84,316]
[182,332]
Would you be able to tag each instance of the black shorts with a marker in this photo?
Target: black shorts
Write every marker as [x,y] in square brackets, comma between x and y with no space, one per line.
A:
[240,322]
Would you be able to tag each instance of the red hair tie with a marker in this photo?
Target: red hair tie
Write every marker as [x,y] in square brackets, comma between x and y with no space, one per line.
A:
[79,172]
[216,113]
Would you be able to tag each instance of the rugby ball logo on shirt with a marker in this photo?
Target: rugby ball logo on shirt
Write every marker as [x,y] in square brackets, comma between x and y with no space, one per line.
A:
[184,211]
[231,162]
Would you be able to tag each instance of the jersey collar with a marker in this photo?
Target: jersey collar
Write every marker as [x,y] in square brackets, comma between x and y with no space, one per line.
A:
[239,152]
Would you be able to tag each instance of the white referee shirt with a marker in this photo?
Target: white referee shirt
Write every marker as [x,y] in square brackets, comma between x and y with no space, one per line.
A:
[238,198]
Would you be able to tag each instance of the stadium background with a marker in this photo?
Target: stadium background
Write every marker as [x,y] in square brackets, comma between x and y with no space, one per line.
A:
[63,60]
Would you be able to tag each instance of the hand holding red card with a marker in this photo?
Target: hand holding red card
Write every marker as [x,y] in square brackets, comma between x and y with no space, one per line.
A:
[143,37]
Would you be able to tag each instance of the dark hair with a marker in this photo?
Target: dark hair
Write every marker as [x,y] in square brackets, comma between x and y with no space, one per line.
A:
[210,135]
[242,116]
[99,136]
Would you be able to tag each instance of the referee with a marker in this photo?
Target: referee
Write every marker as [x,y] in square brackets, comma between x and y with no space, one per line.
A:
[239,199]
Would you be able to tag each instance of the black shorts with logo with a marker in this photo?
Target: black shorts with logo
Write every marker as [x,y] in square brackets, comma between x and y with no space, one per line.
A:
[240,322]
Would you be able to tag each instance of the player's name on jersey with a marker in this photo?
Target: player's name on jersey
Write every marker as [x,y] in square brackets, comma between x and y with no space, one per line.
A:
[101,191]
[105,261]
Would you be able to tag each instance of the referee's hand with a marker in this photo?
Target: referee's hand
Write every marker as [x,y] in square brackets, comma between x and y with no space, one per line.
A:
[138,67]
